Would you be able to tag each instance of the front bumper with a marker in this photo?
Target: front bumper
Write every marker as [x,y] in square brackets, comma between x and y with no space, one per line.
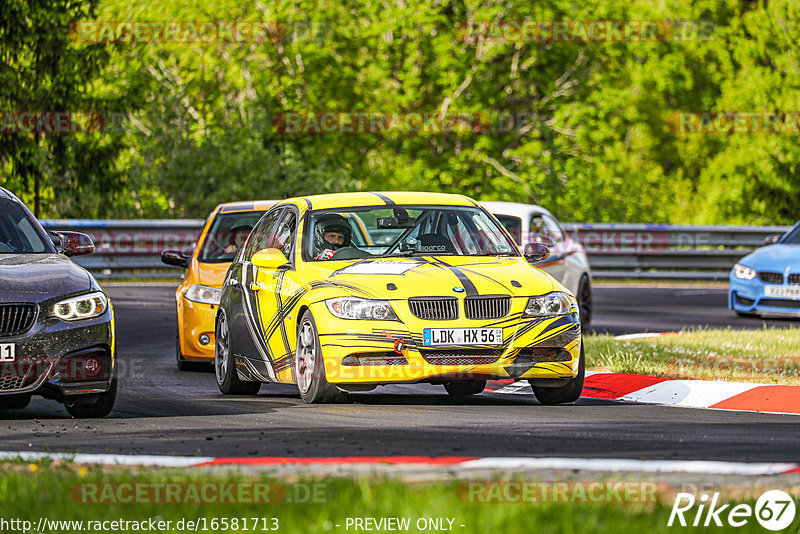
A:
[194,321]
[59,359]
[533,348]
[747,296]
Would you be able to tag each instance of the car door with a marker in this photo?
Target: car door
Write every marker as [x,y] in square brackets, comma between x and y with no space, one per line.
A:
[272,294]
[251,353]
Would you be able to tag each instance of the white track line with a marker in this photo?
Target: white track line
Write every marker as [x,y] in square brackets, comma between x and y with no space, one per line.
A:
[109,459]
[646,466]
[498,463]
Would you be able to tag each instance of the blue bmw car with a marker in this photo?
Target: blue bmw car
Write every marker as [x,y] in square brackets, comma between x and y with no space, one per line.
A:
[767,281]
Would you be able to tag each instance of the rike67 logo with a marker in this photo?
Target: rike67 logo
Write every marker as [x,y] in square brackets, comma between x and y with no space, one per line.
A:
[774,510]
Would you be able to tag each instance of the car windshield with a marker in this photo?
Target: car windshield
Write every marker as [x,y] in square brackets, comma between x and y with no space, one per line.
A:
[18,232]
[404,231]
[793,238]
[227,235]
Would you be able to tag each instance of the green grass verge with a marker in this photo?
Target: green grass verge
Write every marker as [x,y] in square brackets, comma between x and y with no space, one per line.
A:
[770,355]
[53,491]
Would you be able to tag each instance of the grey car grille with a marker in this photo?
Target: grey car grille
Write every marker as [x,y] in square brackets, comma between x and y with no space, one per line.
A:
[771,278]
[16,319]
[489,307]
[434,308]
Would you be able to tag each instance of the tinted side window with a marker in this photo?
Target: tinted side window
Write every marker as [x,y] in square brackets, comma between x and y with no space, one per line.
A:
[513,225]
[18,233]
[285,235]
[263,234]
[544,226]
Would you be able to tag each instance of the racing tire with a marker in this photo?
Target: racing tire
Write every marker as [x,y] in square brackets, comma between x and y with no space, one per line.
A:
[183,365]
[465,388]
[225,365]
[309,366]
[585,302]
[100,407]
[14,402]
[569,392]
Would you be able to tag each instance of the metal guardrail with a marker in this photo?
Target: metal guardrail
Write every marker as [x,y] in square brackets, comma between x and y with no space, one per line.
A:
[662,251]
[132,248]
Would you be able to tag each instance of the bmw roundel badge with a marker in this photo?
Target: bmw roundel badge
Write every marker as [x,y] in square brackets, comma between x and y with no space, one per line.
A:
[458,289]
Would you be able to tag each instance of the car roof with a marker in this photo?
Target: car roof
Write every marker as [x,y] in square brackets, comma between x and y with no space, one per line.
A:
[247,205]
[378,198]
[513,208]
[5,193]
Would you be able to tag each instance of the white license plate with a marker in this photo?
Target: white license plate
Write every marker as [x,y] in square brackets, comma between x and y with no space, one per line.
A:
[7,352]
[790,292]
[462,336]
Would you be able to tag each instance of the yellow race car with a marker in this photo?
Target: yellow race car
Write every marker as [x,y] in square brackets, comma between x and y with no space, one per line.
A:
[437,291]
[197,298]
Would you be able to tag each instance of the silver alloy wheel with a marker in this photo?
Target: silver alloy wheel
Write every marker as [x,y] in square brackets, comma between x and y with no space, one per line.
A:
[221,351]
[305,357]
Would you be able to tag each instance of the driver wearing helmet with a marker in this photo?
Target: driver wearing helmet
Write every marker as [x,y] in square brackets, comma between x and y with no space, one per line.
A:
[331,233]
[238,235]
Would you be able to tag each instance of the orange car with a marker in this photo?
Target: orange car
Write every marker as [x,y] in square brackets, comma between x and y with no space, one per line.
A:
[224,233]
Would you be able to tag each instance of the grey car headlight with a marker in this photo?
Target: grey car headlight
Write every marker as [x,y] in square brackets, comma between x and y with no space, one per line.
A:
[204,294]
[356,308]
[83,307]
[556,303]
[745,273]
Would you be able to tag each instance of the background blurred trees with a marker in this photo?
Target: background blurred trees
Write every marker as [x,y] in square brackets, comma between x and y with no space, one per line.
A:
[581,128]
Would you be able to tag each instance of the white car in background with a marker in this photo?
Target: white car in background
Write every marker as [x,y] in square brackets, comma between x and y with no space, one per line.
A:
[567,263]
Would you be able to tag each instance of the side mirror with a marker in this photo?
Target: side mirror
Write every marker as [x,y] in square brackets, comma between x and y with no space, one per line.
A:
[176,258]
[74,243]
[270,259]
[772,239]
[536,252]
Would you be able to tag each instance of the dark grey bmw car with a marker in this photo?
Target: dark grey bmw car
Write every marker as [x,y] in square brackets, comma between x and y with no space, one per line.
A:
[56,323]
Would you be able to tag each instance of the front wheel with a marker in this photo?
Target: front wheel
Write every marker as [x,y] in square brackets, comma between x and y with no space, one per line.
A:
[224,367]
[15,402]
[309,366]
[100,407]
[569,392]
[585,302]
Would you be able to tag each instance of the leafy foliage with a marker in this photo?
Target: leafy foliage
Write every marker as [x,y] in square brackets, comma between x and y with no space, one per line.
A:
[580,127]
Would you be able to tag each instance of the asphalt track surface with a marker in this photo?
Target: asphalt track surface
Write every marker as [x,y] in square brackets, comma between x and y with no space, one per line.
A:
[161,410]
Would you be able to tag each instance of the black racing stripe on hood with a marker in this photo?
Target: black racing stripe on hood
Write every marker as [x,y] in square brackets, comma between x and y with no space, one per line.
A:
[462,277]
[470,271]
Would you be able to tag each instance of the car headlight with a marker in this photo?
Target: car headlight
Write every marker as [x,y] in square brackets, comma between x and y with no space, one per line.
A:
[355,308]
[204,294]
[551,304]
[83,307]
[746,273]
